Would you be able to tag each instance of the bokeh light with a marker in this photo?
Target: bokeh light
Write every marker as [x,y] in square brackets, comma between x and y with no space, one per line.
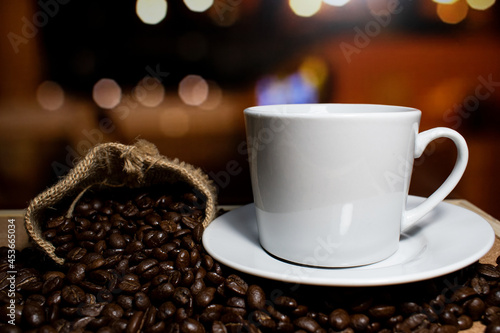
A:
[336,3]
[453,13]
[107,93]
[174,123]
[198,5]
[193,90]
[481,4]
[449,2]
[50,95]
[149,92]
[151,11]
[305,8]
[214,97]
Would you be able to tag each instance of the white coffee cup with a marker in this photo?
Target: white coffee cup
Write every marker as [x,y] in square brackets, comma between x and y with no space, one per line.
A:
[330,181]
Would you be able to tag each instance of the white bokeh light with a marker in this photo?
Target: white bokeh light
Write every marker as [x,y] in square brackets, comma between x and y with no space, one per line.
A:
[151,11]
[198,5]
[193,90]
[50,95]
[305,8]
[107,93]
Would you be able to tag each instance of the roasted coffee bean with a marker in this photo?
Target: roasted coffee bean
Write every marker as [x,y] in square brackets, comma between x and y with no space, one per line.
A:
[463,293]
[63,250]
[66,227]
[236,302]
[92,310]
[189,222]
[256,297]
[93,288]
[464,322]
[76,254]
[36,298]
[33,314]
[475,308]
[162,292]
[166,311]
[359,322]
[447,329]
[76,273]
[492,314]
[51,234]
[339,319]
[54,298]
[236,284]
[183,260]
[263,320]
[52,284]
[198,233]
[190,325]
[382,311]
[277,314]
[300,311]
[62,239]
[218,327]
[493,297]
[46,329]
[113,311]
[480,285]
[307,324]
[205,297]
[448,318]
[285,302]
[488,271]
[493,328]
[130,283]
[72,294]
[181,296]
[126,302]
[212,312]
[141,301]
[136,322]
[87,235]
[159,327]
[117,241]
[55,222]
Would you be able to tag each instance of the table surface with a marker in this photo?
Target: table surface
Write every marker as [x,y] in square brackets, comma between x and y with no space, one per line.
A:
[22,239]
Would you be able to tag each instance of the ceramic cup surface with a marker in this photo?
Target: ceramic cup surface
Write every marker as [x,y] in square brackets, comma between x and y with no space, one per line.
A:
[330,181]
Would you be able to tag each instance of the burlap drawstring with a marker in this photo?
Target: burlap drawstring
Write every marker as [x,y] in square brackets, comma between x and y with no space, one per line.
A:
[115,164]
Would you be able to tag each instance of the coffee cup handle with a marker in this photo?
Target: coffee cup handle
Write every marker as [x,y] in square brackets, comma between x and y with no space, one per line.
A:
[410,217]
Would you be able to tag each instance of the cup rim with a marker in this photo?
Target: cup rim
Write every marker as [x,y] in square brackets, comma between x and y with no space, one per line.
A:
[342,109]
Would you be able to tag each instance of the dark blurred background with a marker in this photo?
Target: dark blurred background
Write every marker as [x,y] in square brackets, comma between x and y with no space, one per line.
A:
[77,73]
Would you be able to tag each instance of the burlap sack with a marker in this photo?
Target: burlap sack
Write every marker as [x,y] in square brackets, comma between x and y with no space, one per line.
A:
[115,164]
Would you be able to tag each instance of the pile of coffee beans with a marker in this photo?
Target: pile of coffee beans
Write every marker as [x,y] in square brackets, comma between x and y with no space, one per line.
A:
[134,262]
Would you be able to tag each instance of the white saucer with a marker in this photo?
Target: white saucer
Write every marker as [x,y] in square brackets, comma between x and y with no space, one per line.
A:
[446,240]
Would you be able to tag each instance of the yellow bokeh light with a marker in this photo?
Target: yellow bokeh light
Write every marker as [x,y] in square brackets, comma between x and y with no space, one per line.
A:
[453,13]
[151,11]
[314,70]
[50,95]
[336,3]
[193,90]
[449,2]
[198,5]
[305,8]
[480,4]
[107,93]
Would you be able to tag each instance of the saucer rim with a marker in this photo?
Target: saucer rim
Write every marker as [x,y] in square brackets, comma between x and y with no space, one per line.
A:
[488,237]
